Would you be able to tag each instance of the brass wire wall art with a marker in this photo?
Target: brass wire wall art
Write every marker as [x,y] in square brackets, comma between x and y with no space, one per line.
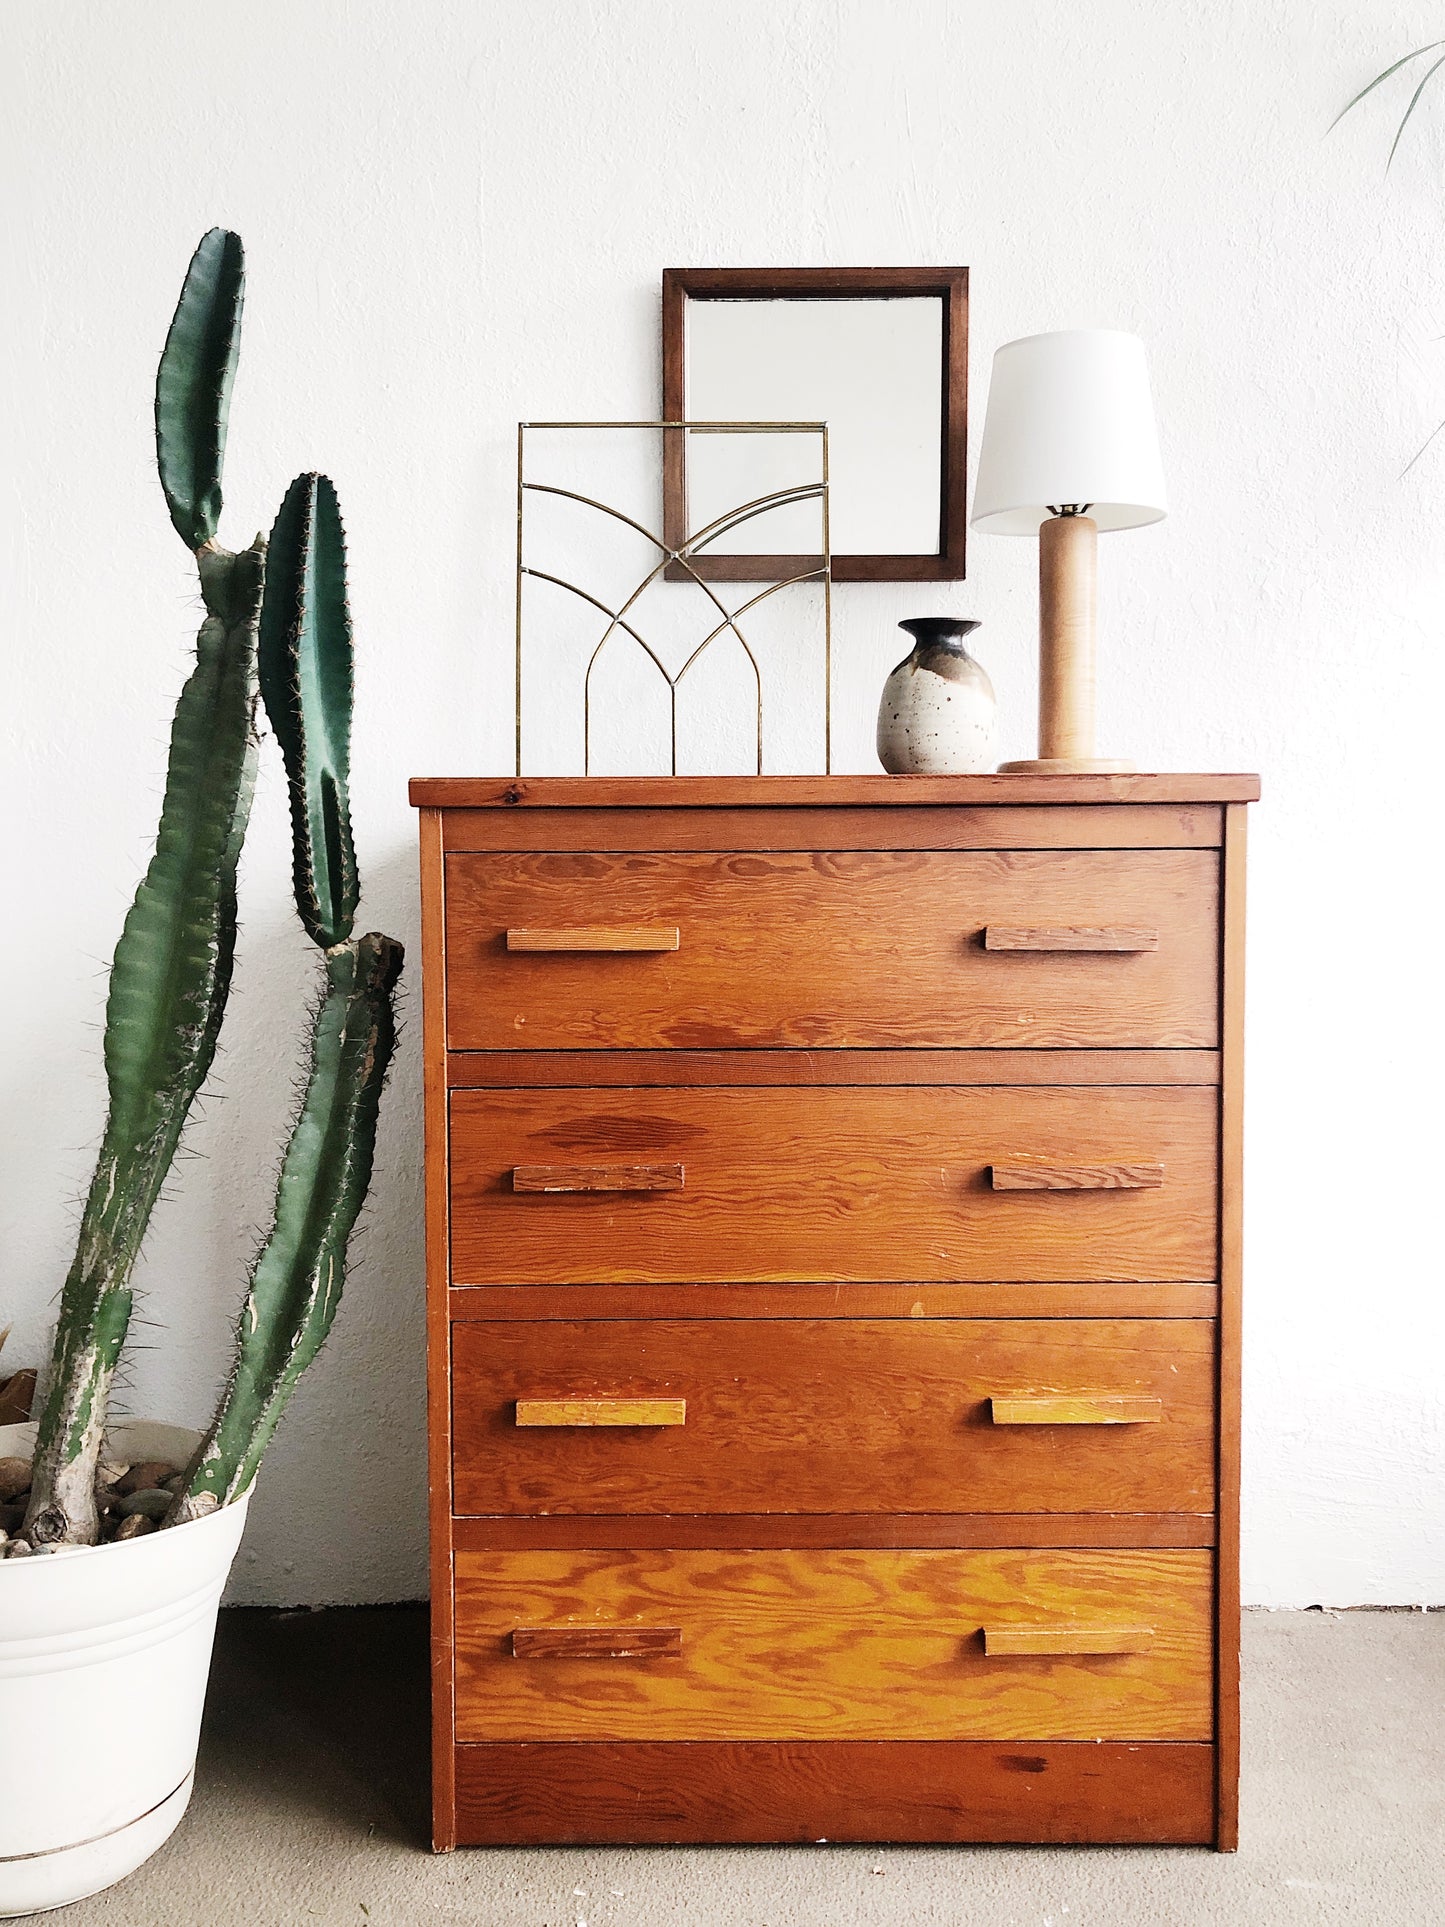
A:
[597,541]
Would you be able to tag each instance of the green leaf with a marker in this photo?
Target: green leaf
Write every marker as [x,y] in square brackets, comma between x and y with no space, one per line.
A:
[1379,79]
[297,1281]
[1421,449]
[1414,103]
[193,385]
[306,682]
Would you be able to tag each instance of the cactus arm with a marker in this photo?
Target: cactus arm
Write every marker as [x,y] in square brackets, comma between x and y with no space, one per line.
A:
[167,995]
[305,668]
[297,1280]
[177,946]
[305,677]
[193,385]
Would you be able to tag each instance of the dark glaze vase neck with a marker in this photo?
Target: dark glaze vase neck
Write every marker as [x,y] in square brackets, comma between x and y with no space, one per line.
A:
[939,632]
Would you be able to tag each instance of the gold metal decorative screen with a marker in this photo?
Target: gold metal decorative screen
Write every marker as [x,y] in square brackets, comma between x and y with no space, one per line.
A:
[611,589]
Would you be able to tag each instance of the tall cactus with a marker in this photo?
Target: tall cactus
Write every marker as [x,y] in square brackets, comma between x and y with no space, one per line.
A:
[172,968]
[306,680]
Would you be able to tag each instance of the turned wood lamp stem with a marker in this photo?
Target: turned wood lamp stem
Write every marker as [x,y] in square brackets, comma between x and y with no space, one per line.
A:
[1068,631]
[1068,628]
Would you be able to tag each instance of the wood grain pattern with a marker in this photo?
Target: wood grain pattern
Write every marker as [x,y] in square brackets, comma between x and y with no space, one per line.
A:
[1094,1408]
[480,1070]
[1034,1174]
[600,1411]
[793,1531]
[822,792]
[853,1415]
[1063,826]
[830,1299]
[596,1642]
[1120,938]
[874,1643]
[843,949]
[603,938]
[791,1416]
[647,1793]
[562,1178]
[1231,1257]
[1013,1641]
[834,1183]
[438,1327]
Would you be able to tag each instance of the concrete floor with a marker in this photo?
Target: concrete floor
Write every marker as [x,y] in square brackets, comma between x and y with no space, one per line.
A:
[310,1806]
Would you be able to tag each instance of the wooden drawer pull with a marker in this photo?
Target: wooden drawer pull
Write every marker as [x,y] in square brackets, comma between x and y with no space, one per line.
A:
[1001,1642]
[1112,937]
[597,1177]
[1078,1408]
[1034,1175]
[599,937]
[597,1642]
[602,1411]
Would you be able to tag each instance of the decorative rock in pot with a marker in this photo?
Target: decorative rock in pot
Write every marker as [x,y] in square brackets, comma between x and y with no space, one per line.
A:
[937,713]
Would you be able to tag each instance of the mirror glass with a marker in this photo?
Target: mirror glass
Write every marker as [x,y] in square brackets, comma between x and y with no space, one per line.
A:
[871,368]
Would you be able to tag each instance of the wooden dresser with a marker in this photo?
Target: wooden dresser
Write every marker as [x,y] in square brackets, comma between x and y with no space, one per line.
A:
[833,1207]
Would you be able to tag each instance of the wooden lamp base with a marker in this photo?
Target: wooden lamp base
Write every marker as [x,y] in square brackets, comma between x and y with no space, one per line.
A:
[1067,766]
[1068,567]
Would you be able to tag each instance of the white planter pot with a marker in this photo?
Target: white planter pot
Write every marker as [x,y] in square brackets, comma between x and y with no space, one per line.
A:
[104,1656]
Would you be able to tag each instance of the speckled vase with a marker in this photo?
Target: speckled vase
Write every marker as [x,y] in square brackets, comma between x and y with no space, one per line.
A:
[937,713]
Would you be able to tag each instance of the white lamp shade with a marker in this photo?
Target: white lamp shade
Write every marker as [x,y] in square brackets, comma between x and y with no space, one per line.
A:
[1070,420]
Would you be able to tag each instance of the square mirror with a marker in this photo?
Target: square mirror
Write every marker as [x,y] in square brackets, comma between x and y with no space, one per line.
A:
[880,355]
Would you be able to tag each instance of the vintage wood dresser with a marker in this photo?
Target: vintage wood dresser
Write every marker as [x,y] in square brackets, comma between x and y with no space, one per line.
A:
[833,1207]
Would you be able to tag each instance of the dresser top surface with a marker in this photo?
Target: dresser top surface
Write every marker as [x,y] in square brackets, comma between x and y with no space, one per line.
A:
[824,792]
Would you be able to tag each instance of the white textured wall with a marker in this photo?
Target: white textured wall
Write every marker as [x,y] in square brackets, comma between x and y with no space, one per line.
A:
[456,215]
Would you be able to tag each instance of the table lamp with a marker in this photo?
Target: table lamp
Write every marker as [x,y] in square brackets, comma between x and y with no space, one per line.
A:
[1069,448]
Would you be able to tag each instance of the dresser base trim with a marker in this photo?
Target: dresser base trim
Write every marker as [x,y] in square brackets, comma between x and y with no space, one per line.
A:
[646,1793]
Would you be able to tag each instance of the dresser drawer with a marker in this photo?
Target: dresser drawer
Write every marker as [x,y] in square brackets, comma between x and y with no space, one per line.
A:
[557,1186]
[833,1645]
[847,948]
[834,1415]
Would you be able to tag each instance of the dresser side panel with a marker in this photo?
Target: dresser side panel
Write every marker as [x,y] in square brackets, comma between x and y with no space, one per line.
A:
[438,1327]
[1231,1259]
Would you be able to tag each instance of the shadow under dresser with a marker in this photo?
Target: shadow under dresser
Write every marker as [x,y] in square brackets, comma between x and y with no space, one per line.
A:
[833,1230]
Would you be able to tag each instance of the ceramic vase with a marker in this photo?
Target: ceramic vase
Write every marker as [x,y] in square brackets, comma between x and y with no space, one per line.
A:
[937,713]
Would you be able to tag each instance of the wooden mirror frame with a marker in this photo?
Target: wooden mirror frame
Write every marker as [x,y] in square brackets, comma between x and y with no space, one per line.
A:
[681,285]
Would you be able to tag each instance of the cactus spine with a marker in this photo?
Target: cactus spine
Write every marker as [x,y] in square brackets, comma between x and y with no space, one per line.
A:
[306,680]
[172,969]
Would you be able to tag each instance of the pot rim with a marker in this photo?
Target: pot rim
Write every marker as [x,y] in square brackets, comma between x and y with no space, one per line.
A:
[23,1437]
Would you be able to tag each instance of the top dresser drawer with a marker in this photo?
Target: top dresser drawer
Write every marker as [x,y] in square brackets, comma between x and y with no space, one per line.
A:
[646,950]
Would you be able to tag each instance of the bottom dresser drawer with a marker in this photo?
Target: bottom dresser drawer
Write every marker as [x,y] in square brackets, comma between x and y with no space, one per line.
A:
[836,1645]
[645,1792]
